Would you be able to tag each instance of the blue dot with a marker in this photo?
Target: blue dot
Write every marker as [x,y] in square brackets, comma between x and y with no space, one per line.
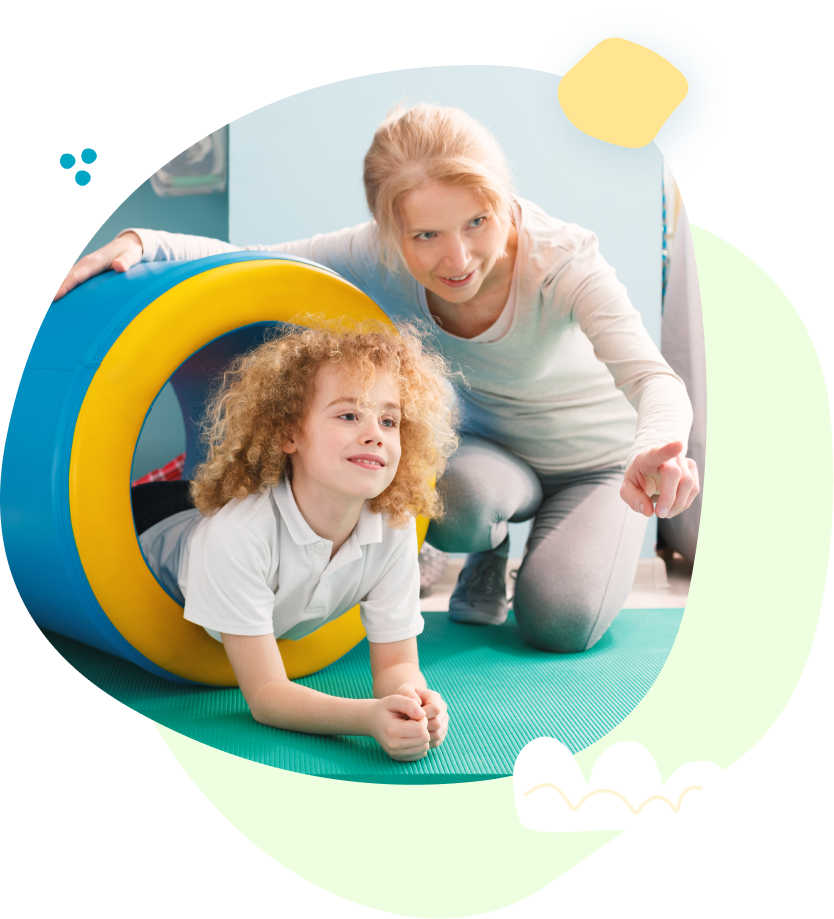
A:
[89,155]
[82,177]
[67,160]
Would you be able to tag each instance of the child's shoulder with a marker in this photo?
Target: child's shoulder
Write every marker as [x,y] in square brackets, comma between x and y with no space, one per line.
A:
[255,513]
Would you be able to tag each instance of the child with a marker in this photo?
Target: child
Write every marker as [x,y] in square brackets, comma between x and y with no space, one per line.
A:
[322,447]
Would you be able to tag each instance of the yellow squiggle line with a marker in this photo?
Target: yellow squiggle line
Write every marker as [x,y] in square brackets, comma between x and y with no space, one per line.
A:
[610,791]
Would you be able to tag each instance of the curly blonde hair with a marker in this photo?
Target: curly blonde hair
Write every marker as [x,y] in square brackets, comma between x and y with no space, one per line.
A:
[431,143]
[265,395]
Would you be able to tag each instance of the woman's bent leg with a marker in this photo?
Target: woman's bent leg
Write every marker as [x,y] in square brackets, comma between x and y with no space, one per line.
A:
[580,564]
[483,489]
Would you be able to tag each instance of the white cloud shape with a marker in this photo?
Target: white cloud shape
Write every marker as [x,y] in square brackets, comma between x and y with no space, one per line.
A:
[551,794]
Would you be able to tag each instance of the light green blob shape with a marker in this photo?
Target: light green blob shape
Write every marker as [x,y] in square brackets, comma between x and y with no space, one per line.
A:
[750,620]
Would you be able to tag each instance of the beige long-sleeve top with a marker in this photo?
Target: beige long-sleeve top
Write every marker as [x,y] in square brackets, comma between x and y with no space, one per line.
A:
[567,378]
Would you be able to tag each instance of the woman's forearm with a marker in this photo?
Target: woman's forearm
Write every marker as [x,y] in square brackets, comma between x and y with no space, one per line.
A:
[664,415]
[287,705]
[161,246]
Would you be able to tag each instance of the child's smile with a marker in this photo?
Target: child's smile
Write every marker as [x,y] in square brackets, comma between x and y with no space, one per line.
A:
[369,462]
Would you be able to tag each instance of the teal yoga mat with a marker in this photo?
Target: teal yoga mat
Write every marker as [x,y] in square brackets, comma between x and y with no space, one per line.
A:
[501,694]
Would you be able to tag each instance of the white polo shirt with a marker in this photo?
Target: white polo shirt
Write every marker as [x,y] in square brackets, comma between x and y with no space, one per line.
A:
[256,567]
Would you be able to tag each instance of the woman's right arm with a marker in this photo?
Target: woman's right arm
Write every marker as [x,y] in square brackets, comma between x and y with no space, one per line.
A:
[122,253]
[351,252]
[397,723]
[133,246]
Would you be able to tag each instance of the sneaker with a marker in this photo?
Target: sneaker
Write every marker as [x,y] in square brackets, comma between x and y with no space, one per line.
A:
[480,597]
[433,564]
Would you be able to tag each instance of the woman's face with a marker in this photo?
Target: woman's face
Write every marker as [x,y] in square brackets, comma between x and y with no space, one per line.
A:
[450,240]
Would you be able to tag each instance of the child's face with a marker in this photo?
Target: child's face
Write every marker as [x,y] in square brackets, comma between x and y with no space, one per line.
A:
[344,448]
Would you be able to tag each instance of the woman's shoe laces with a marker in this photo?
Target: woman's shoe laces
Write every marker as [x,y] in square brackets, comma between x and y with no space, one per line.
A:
[481,594]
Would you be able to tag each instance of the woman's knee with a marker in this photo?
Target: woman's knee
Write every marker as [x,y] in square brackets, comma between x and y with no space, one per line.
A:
[483,488]
[489,471]
[561,624]
[471,528]
[556,634]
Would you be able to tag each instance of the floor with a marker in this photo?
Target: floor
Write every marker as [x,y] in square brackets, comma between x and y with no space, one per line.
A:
[658,584]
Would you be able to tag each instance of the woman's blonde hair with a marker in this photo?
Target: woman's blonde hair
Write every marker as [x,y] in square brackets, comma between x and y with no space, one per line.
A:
[265,395]
[430,143]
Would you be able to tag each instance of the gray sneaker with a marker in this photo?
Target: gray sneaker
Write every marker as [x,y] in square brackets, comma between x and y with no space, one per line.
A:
[480,597]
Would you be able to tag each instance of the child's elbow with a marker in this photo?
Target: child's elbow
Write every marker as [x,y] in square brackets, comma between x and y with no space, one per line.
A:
[265,705]
[260,711]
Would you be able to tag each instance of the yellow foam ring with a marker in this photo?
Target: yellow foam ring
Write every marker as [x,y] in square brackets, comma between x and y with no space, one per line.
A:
[137,366]
[621,93]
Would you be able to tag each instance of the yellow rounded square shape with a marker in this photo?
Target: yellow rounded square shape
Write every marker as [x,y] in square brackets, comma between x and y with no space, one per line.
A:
[621,93]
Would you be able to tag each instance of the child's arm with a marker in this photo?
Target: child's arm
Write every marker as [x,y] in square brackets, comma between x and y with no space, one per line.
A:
[397,722]
[396,670]
[394,663]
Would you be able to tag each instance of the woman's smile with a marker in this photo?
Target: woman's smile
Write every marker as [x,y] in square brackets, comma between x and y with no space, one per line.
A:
[461,281]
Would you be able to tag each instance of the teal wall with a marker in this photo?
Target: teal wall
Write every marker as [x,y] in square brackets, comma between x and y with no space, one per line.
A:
[163,436]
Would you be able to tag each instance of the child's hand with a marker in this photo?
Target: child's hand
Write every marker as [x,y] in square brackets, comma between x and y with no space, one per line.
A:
[410,690]
[434,708]
[400,727]
[438,716]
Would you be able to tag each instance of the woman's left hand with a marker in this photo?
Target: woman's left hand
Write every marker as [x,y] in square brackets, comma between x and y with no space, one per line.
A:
[664,472]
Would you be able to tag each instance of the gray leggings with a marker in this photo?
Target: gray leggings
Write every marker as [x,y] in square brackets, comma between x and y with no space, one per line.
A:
[583,549]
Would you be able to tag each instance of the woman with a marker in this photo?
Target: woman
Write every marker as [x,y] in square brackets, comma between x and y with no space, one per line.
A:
[556,361]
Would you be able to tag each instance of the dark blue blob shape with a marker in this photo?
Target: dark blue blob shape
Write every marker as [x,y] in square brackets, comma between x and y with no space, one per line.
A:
[701,115]
[89,155]
[82,177]
[68,160]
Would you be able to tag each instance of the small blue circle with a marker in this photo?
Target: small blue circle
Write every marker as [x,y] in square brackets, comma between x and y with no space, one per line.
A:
[89,155]
[82,177]
[67,160]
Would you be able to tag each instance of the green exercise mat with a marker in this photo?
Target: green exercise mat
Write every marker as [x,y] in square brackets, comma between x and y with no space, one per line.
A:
[501,694]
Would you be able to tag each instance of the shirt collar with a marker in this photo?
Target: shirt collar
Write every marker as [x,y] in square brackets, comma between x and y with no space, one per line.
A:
[300,531]
[368,528]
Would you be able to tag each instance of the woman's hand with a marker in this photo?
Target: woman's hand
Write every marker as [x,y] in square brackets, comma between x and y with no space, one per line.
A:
[663,472]
[400,726]
[122,253]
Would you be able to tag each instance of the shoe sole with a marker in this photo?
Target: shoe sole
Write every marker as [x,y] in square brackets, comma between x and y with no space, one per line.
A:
[476,617]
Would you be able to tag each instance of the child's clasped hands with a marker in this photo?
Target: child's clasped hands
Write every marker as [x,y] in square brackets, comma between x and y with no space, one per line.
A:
[411,722]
